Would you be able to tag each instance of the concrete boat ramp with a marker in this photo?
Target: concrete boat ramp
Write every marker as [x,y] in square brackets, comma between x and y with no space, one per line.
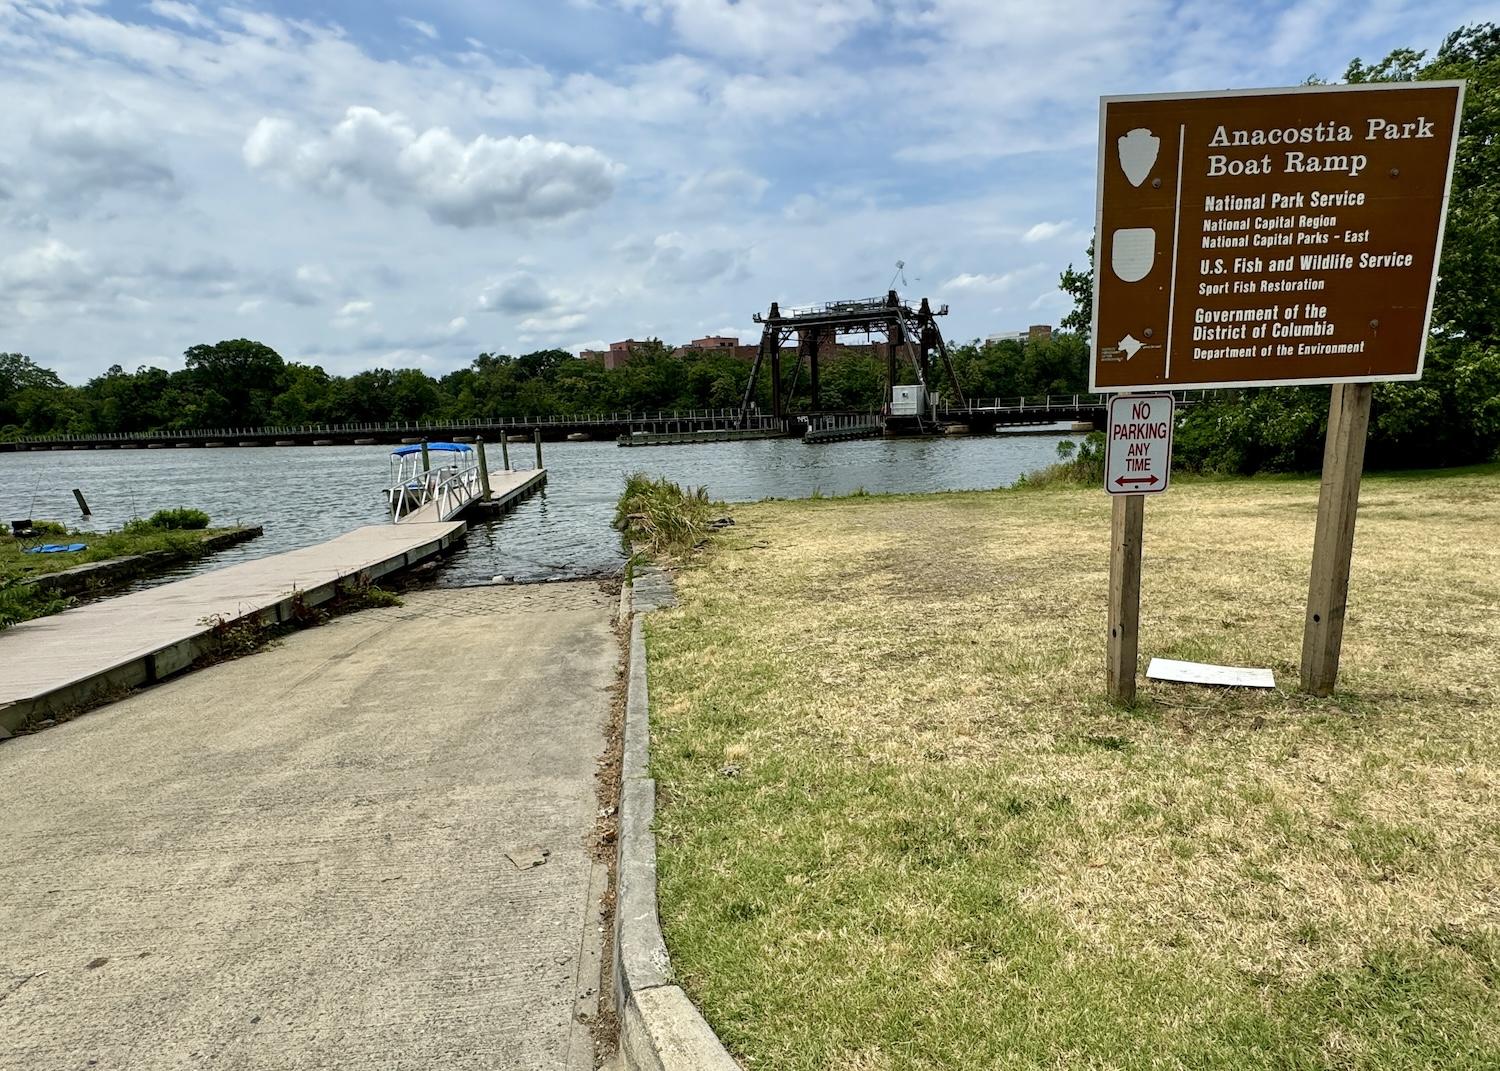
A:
[366,848]
[371,846]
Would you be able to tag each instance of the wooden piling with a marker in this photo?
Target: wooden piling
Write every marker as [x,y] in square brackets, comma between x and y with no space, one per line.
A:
[426,458]
[537,438]
[82,502]
[484,468]
[505,452]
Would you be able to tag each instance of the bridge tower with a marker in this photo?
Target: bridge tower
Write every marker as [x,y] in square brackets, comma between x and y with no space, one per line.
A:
[911,335]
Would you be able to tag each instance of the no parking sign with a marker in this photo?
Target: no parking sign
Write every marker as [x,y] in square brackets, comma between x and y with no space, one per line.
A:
[1138,457]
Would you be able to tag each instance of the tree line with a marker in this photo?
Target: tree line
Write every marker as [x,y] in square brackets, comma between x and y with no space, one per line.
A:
[244,383]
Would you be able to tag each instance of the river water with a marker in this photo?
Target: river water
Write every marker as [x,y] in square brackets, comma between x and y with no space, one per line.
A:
[304,495]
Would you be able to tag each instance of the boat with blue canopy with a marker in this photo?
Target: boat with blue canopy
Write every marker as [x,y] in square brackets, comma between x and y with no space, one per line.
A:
[419,470]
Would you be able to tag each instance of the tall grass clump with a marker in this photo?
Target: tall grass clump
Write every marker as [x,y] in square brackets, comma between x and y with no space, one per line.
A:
[1077,465]
[22,602]
[171,520]
[667,518]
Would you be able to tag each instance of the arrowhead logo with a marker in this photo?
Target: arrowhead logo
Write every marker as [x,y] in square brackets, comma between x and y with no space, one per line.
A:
[1138,151]
[1130,346]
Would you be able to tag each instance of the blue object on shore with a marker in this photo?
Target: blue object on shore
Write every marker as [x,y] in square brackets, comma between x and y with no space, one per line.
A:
[56,548]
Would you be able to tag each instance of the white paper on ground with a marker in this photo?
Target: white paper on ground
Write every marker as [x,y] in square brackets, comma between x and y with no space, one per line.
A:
[1167,669]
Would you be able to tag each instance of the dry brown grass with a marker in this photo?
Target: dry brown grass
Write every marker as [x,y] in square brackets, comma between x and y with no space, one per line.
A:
[1245,847]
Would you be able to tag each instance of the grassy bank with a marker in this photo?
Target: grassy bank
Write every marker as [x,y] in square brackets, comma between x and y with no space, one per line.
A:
[20,601]
[900,828]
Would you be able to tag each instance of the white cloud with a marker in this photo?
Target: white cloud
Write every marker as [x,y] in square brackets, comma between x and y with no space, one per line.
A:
[723,187]
[1040,232]
[1050,298]
[356,308]
[679,260]
[765,28]
[551,326]
[465,184]
[186,14]
[426,29]
[49,270]
[518,292]
[981,283]
[313,275]
[88,153]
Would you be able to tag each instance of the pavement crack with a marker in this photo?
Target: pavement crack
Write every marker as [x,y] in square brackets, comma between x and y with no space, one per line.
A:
[17,985]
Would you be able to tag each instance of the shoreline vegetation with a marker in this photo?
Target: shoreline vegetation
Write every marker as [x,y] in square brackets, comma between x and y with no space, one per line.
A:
[664,520]
[36,585]
[899,826]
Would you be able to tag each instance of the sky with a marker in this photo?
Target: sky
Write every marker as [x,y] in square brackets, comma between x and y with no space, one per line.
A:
[363,183]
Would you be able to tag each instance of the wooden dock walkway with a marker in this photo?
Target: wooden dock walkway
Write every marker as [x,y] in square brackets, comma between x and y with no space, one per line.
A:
[506,487]
[71,658]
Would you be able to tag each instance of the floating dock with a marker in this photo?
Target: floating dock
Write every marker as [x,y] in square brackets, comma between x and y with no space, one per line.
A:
[465,498]
[76,657]
[507,488]
[845,433]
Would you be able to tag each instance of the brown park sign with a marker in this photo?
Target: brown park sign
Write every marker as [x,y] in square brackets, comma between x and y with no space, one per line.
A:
[1270,236]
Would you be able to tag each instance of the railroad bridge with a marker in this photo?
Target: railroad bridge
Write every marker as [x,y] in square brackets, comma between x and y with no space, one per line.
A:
[977,414]
[911,337]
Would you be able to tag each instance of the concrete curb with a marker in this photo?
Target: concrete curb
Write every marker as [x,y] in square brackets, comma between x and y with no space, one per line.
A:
[660,1029]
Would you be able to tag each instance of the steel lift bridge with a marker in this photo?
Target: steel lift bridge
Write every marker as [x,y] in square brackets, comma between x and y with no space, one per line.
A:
[911,334]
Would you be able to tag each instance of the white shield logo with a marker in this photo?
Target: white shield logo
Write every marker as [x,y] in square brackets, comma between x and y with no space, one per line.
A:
[1132,253]
[1138,151]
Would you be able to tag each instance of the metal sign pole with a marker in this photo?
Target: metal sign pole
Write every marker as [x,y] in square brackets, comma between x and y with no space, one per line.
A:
[1333,543]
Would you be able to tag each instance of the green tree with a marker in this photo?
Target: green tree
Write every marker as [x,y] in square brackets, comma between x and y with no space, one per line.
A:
[1468,300]
[306,397]
[1079,285]
[19,373]
[247,375]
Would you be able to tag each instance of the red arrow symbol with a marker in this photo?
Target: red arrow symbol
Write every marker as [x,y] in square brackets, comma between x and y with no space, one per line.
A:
[1123,480]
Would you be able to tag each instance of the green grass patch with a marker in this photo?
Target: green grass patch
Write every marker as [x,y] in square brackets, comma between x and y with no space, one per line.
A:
[174,533]
[134,538]
[900,827]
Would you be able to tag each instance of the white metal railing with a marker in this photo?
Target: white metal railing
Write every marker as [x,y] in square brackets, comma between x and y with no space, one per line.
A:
[450,488]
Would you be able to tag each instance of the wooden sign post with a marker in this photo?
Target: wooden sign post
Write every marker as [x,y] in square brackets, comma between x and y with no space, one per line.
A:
[1125,526]
[1137,463]
[1333,542]
[1262,237]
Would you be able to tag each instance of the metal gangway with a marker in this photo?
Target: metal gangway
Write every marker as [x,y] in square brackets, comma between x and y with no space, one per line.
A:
[433,482]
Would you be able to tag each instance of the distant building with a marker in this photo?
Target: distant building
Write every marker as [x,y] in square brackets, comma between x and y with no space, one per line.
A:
[714,342]
[597,356]
[1034,333]
[717,344]
[620,352]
